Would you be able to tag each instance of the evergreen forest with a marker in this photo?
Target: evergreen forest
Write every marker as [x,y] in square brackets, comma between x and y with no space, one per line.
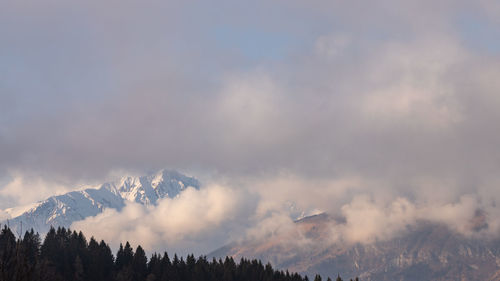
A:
[67,255]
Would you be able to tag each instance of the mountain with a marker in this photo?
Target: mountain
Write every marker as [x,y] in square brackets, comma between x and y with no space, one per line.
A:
[426,251]
[63,210]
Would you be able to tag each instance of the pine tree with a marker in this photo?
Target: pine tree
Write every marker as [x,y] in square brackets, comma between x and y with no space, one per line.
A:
[166,266]
[106,260]
[31,246]
[66,255]
[7,254]
[124,256]
[139,264]
[27,255]
[119,258]
[154,268]
[174,273]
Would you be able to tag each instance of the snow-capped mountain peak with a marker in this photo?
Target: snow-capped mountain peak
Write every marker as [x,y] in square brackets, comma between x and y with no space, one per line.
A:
[63,210]
[149,189]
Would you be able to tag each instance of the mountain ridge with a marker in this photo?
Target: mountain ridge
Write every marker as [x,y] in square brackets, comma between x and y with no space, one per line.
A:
[64,209]
[425,251]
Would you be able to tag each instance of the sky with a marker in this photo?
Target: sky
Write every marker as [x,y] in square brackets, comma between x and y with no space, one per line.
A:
[329,104]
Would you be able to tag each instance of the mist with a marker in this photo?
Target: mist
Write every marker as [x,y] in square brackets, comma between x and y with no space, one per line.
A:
[374,113]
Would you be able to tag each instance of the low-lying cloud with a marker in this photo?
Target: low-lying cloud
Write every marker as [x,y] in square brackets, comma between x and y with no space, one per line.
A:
[364,111]
[200,221]
[195,221]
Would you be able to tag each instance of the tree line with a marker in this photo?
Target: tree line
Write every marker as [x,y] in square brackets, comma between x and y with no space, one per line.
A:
[67,255]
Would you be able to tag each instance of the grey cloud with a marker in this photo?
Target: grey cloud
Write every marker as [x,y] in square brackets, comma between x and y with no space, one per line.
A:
[386,99]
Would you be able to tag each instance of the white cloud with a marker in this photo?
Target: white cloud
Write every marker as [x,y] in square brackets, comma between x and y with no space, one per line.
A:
[24,189]
[367,222]
[373,116]
[196,221]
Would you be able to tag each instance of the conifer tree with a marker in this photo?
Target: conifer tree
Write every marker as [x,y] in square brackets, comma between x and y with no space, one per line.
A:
[66,255]
[7,254]
[139,264]
[124,256]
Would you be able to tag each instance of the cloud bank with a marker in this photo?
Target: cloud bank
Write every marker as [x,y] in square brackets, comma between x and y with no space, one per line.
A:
[382,113]
[195,221]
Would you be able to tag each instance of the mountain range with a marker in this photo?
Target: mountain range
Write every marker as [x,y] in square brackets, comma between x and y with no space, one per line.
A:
[426,251]
[63,210]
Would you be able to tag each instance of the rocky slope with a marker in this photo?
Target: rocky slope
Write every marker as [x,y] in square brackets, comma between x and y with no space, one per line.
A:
[425,252]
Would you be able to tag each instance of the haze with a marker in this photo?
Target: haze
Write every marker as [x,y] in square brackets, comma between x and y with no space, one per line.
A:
[385,110]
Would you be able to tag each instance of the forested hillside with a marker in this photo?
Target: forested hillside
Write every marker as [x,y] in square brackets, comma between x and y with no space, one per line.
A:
[67,255]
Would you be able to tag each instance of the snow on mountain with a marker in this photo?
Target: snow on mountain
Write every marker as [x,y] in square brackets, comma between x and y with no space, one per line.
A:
[148,189]
[63,210]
